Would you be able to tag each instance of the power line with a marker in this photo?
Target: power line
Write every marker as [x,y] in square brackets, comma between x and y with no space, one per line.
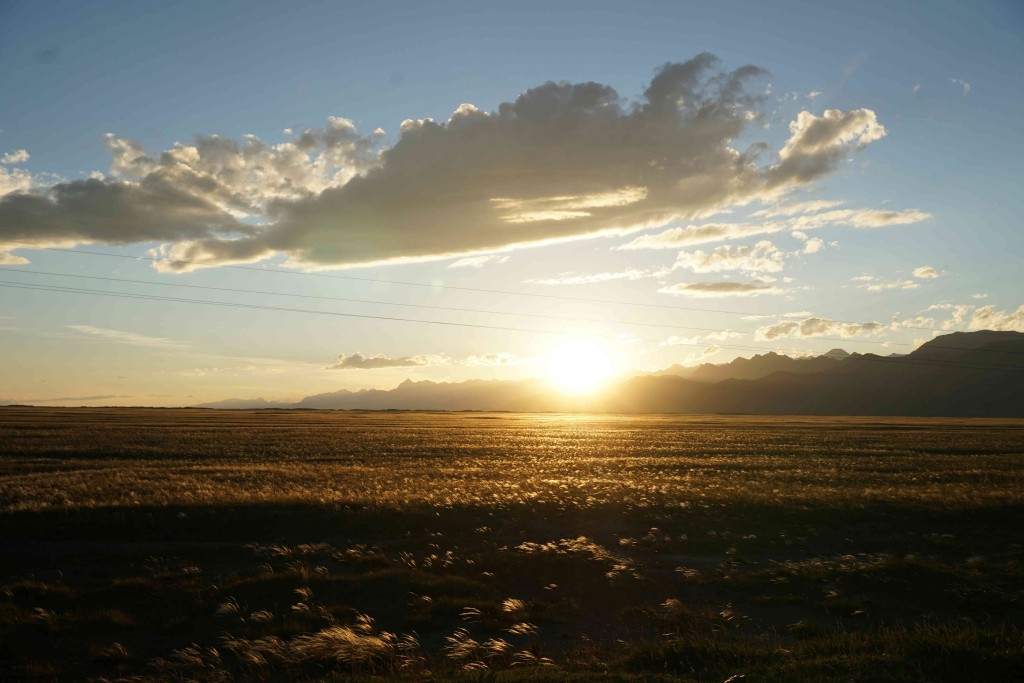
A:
[363,301]
[20,270]
[427,285]
[230,304]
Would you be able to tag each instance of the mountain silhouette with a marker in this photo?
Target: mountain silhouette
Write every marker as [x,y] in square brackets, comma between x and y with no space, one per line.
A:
[959,374]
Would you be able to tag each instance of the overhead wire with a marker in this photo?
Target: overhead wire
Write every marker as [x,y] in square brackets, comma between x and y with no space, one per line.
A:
[233,304]
[20,270]
[404,283]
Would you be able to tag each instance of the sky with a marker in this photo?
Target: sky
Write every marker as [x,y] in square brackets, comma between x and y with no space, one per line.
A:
[453,191]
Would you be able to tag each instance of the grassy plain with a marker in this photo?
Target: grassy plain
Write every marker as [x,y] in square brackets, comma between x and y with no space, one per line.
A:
[302,545]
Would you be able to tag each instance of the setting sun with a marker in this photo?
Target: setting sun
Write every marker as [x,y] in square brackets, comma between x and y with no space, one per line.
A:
[579,367]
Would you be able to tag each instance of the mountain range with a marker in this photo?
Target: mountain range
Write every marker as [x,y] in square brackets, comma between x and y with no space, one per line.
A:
[959,374]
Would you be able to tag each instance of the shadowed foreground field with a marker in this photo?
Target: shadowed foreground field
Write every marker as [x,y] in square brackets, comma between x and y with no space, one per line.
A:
[217,545]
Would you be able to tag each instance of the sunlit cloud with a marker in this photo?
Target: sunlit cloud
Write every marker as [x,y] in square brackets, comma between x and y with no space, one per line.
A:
[720,289]
[18,156]
[588,278]
[358,361]
[763,257]
[873,283]
[479,261]
[719,232]
[816,327]
[561,161]
[988,318]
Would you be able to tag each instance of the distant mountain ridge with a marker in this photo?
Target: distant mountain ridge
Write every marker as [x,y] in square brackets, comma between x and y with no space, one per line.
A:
[958,374]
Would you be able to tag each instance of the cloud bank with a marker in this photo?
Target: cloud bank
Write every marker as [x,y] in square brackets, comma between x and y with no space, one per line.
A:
[562,161]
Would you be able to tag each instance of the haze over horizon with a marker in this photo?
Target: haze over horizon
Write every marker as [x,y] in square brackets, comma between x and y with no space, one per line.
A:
[246,200]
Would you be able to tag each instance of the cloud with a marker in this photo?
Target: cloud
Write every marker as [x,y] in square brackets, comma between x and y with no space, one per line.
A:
[916,89]
[587,278]
[980,295]
[718,232]
[478,261]
[701,356]
[490,360]
[957,312]
[925,273]
[988,318]
[562,161]
[724,335]
[812,245]
[720,289]
[763,257]
[965,87]
[674,238]
[815,327]
[358,361]
[19,156]
[817,143]
[874,284]
[871,218]
[9,259]
[115,213]
[812,206]
[131,338]
[917,321]
[101,397]
[13,180]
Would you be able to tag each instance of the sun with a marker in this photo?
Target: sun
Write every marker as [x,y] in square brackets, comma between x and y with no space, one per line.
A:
[579,367]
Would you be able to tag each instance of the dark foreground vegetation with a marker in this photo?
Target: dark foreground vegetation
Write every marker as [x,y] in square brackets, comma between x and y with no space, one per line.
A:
[294,546]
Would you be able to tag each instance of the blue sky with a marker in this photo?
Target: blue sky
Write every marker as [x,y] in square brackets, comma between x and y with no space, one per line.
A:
[942,80]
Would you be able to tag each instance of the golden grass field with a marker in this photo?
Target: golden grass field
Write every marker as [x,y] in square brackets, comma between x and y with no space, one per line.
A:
[166,544]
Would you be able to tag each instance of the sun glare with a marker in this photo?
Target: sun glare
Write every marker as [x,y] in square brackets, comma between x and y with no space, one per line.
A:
[579,367]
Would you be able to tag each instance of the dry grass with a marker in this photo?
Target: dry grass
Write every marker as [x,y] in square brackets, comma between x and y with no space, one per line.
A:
[211,545]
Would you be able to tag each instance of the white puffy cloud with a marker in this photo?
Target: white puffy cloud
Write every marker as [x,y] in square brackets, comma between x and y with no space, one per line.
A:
[721,289]
[965,87]
[14,180]
[358,361]
[18,156]
[925,273]
[763,257]
[562,161]
[988,318]
[811,245]
[816,327]
[957,314]
[814,245]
